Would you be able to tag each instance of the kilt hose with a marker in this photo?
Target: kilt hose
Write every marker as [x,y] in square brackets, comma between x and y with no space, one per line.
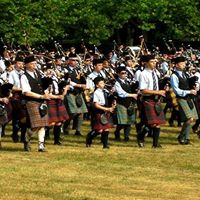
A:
[97,124]
[149,115]
[56,111]
[122,116]
[197,104]
[36,121]
[72,108]
[185,111]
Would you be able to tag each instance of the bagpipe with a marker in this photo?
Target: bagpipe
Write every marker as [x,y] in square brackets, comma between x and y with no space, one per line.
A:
[5,91]
[62,83]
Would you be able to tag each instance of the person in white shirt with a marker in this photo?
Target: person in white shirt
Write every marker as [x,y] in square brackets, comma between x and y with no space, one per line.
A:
[18,107]
[152,115]
[35,99]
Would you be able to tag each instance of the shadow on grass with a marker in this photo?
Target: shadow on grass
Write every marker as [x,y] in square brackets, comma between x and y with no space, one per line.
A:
[11,149]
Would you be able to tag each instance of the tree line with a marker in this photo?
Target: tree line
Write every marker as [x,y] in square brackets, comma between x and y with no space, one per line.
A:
[40,21]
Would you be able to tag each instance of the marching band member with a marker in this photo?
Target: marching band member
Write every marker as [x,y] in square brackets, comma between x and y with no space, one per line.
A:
[5,91]
[18,107]
[152,114]
[101,116]
[180,85]
[125,104]
[35,103]
[57,112]
[74,99]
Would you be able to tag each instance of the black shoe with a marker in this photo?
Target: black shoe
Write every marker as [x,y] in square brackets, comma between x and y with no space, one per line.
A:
[157,146]
[88,145]
[27,146]
[106,147]
[88,141]
[179,125]
[66,132]
[41,147]
[15,138]
[140,144]
[118,139]
[198,134]
[180,140]
[126,139]
[77,133]
[194,129]
[187,141]
[117,136]
[171,124]
[57,143]
[41,150]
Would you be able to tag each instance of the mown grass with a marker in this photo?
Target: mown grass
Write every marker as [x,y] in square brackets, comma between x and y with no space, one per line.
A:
[74,172]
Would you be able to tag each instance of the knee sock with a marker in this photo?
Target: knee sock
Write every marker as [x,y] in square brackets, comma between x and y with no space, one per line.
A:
[105,138]
[41,135]
[56,132]
[186,131]
[127,129]
[156,134]
[90,136]
[117,131]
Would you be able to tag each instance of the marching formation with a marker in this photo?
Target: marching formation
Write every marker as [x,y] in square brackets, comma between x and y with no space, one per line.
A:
[42,90]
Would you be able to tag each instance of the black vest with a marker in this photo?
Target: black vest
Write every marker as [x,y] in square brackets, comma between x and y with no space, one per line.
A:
[36,86]
[73,76]
[127,100]
[183,82]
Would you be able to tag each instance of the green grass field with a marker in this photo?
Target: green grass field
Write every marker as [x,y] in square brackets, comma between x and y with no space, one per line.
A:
[74,172]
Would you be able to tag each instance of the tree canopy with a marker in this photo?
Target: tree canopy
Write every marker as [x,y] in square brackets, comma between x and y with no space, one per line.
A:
[32,22]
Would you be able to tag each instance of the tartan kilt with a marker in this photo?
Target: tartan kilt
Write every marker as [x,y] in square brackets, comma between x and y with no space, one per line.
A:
[71,106]
[57,111]
[36,121]
[18,107]
[123,117]
[97,125]
[185,111]
[197,104]
[9,111]
[149,115]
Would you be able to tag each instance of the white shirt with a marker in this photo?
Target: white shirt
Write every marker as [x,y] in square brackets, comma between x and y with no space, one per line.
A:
[2,66]
[25,83]
[14,78]
[5,77]
[98,97]
[137,75]
[146,80]
[91,77]
[164,67]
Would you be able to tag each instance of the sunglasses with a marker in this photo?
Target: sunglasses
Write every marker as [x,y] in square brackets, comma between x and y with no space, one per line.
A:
[122,73]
